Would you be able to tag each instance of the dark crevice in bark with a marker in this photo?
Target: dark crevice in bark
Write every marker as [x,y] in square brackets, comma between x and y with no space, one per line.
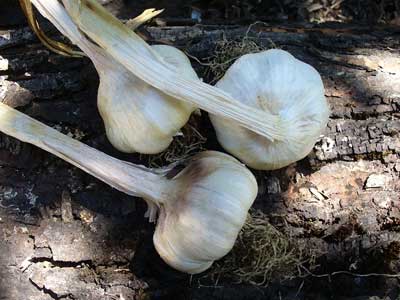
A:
[50,292]
[63,264]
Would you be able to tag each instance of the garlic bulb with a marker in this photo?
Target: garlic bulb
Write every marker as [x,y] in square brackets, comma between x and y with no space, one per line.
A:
[276,82]
[201,210]
[137,117]
[209,207]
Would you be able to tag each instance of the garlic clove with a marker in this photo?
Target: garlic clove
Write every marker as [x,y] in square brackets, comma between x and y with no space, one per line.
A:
[214,194]
[278,83]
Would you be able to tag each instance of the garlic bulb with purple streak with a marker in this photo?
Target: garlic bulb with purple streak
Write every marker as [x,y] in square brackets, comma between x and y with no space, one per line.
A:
[200,210]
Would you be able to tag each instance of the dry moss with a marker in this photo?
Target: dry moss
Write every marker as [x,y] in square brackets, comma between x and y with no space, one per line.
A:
[262,254]
[185,144]
[226,51]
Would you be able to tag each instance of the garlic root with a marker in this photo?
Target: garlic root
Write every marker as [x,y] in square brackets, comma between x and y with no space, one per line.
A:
[201,210]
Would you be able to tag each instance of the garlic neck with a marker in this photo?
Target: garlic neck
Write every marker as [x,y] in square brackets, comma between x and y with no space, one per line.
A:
[55,12]
[126,177]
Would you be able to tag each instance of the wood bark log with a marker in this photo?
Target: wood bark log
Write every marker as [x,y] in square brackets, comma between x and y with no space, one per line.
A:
[343,199]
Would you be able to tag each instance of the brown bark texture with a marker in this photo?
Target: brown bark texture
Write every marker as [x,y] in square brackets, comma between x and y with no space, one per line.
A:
[66,235]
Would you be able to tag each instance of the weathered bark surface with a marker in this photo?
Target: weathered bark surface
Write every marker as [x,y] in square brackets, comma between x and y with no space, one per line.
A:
[67,235]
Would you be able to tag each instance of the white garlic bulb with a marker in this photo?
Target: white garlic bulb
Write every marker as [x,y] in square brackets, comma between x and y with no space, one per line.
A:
[201,210]
[137,117]
[289,89]
[200,221]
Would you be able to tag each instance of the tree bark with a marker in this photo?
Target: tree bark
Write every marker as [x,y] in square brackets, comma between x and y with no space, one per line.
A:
[65,234]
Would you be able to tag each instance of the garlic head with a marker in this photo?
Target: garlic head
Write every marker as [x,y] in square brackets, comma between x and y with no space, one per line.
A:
[138,117]
[278,83]
[201,220]
[201,210]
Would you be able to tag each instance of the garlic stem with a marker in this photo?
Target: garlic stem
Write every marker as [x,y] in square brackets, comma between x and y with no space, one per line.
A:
[131,179]
[55,46]
[56,14]
[138,57]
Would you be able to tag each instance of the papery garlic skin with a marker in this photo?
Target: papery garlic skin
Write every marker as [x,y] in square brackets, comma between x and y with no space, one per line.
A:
[282,85]
[201,220]
[138,117]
